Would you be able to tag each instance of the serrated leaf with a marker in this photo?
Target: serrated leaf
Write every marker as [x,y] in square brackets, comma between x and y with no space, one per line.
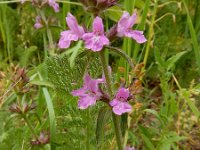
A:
[64,78]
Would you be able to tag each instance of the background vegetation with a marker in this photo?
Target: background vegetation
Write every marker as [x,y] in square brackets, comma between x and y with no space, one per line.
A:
[166,110]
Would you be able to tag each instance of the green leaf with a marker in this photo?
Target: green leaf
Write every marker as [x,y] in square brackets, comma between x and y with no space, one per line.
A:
[41,83]
[26,54]
[155,113]
[147,138]
[193,35]
[186,96]
[167,141]
[74,51]
[103,116]
[172,60]
[114,13]
[159,59]
[64,78]
[52,117]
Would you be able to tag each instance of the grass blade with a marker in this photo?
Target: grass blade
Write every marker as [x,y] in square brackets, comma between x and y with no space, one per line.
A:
[52,117]
[193,36]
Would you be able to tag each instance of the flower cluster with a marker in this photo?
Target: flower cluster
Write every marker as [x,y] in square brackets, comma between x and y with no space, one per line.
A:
[23,108]
[90,93]
[96,6]
[41,3]
[97,39]
[43,139]
[38,22]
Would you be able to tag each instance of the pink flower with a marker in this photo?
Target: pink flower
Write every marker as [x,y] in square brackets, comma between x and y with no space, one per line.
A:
[96,39]
[124,28]
[54,5]
[22,1]
[38,23]
[89,93]
[119,103]
[130,148]
[74,34]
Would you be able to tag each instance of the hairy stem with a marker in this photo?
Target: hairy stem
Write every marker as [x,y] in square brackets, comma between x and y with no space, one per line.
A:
[108,83]
[88,131]
[121,53]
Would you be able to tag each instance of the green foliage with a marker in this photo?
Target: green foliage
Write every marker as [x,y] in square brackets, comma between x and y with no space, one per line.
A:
[165,114]
[64,78]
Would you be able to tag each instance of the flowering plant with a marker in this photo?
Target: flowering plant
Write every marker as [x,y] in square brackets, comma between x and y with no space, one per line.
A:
[96,41]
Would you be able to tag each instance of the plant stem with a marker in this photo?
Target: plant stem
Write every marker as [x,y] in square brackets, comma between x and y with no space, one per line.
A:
[49,34]
[122,54]
[117,131]
[30,126]
[150,35]
[106,72]
[108,84]
[88,130]
[69,2]
[141,26]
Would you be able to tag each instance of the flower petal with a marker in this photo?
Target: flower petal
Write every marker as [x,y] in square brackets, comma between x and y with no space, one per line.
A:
[122,93]
[86,101]
[131,20]
[87,78]
[54,5]
[122,107]
[94,42]
[38,25]
[122,24]
[66,38]
[73,25]
[79,92]
[114,102]
[136,35]
[98,26]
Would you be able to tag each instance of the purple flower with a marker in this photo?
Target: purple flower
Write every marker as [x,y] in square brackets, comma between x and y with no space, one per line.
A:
[89,93]
[74,34]
[96,39]
[124,28]
[54,5]
[38,23]
[130,148]
[22,1]
[119,103]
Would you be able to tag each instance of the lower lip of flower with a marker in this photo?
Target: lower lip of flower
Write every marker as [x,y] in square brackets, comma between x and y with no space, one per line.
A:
[96,38]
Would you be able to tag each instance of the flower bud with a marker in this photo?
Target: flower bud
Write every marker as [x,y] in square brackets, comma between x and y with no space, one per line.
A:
[43,139]
[23,109]
[96,6]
